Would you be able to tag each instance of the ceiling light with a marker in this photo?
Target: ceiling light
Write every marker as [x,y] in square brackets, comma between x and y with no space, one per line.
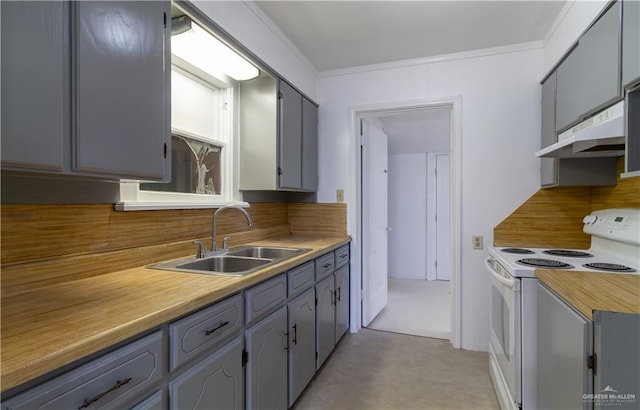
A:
[197,46]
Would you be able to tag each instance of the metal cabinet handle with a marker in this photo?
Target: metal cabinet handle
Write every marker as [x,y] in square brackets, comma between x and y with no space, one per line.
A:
[89,402]
[338,297]
[286,335]
[326,265]
[295,334]
[333,297]
[220,326]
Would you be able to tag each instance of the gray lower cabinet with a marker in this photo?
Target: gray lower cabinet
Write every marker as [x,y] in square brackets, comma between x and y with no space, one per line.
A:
[111,381]
[302,342]
[565,342]
[342,302]
[215,382]
[96,77]
[630,42]
[616,337]
[589,78]
[266,370]
[325,319]
[157,401]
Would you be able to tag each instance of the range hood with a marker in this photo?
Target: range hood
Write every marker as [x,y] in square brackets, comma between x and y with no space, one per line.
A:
[599,136]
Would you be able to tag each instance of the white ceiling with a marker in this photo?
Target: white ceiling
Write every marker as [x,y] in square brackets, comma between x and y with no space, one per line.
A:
[417,131]
[339,34]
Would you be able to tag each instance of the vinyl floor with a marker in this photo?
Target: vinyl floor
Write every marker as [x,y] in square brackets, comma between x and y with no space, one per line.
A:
[376,370]
[416,307]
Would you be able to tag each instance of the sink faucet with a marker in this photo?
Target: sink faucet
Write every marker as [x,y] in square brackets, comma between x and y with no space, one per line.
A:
[214,247]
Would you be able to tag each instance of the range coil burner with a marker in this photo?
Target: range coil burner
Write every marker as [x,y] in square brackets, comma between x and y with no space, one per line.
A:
[608,267]
[568,253]
[517,250]
[544,263]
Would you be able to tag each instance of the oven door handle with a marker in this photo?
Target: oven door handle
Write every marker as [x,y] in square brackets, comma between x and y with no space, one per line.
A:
[510,283]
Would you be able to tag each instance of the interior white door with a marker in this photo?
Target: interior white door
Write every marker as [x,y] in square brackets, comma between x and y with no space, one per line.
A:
[443,251]
[374,220]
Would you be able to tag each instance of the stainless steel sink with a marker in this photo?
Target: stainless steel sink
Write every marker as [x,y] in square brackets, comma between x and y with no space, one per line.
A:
[266,252]
[225,264]
[239,261]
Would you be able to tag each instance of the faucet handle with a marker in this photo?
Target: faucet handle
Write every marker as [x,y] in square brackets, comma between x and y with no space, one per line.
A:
[201,251]
[225,242]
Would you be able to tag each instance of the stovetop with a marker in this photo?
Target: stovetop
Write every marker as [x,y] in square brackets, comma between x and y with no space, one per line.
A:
[522,262]
[615,248]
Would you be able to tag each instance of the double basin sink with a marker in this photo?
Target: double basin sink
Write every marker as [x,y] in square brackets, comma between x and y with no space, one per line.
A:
[238,261]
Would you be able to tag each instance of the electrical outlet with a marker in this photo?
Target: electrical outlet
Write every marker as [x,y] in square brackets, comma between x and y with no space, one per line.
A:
[339,195]
[477,241]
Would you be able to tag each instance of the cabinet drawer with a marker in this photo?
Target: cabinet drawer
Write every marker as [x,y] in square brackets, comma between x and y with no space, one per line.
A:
[204,329]
[301,278]
[157,401]
[263,298]
[341,256]
[107,382]
[324,265]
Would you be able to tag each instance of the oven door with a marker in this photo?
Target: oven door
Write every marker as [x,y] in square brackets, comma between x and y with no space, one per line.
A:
[504,333]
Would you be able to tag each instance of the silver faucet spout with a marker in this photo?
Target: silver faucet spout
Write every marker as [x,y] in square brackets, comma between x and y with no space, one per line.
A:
[214,246]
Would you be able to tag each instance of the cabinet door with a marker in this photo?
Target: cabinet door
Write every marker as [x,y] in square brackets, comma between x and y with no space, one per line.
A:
[267,365]
[290,144]
[35,83]
[325,319]
[302,343]
[630,42]
[309,145]
[214,383]
[564,344]
[548,112]
[342,302]
[616,339]
[589,78]
[122,90]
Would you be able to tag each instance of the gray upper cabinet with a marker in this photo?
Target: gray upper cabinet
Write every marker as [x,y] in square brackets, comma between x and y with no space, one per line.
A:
[290,137]
[309,145]
[548,113]
[96,77]
[630,42]
[121,94]
[589,78]
[35,84]
[278,137]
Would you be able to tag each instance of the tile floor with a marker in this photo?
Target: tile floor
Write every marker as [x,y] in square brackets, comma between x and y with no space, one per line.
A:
[375,370]
[416,307]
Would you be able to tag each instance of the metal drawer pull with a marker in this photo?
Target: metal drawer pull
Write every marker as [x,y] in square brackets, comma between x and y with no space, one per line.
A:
[338,297]
[295,334]
[326,265]
[344,255]
[333,297]
[119,383]
[220,326]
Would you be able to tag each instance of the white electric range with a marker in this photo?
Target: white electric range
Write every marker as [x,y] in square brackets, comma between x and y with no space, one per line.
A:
[615,249]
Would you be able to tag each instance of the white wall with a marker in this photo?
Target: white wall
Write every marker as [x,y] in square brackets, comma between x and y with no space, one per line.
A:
[572,21]
[500,132]
[247,24]
[408,216]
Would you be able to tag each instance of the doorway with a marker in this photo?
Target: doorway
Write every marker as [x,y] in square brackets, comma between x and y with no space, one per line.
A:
[418,251]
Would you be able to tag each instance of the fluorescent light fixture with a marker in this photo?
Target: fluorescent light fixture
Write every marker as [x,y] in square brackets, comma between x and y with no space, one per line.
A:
[197,46]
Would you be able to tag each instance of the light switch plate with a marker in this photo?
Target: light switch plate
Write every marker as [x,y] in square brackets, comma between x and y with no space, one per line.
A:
[339,195]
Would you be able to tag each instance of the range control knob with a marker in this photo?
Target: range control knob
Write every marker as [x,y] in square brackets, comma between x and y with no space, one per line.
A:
[589,219]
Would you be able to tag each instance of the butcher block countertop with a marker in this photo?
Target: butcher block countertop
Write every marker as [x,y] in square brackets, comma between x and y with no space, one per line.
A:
[590,291]
[52,326]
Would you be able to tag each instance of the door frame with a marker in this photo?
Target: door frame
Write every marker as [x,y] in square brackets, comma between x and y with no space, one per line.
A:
[354,214]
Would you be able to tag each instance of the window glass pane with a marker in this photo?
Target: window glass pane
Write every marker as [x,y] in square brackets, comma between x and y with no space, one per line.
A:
[195,168]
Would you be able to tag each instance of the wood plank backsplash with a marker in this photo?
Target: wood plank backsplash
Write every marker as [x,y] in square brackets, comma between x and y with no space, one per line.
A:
[553,217]
[46,244]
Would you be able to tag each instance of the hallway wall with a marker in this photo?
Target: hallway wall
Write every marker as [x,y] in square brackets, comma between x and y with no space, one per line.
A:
[408,216]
